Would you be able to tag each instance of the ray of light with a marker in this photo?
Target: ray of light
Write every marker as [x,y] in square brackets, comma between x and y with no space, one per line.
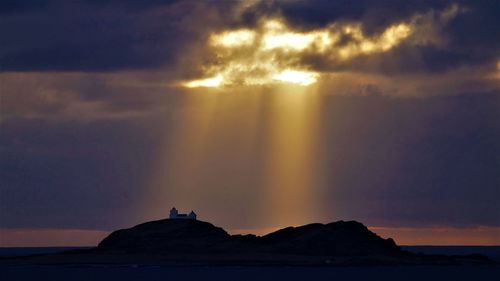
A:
[241,155]
[174,181]
[291,195]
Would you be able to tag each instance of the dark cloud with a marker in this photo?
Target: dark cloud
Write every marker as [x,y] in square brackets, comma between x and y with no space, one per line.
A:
[319,13]
[102,35]
[469,39]
[413,161]
[84,96]
[477,27]
[14,6]
[73,174]
[409,59]
[117,35]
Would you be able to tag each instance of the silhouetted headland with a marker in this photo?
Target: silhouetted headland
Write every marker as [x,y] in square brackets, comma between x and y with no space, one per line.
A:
[174,241]
[192,236]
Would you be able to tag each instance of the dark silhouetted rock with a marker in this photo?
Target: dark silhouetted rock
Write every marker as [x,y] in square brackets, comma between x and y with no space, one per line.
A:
[334,239]
[196,242]
[166,236]
[191,236]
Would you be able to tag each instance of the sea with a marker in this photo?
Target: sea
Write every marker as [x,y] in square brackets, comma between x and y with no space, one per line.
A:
[258,273]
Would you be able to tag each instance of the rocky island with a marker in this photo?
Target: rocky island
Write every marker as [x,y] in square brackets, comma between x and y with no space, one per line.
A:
[185,241]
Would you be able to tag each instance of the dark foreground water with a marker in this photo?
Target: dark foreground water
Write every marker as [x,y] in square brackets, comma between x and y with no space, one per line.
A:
[26,251]
[201,273]
[492,252]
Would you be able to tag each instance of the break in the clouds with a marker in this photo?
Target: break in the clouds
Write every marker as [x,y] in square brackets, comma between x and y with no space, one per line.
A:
[274,52]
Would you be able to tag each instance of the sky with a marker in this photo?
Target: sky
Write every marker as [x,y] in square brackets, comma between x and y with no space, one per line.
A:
[255,114]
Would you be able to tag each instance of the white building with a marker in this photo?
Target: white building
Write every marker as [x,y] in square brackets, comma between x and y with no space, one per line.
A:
[174,215]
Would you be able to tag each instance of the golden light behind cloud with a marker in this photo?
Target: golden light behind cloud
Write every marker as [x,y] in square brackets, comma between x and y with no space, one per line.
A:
[362,45]
[235,38]
[302,78]
[207,82]
[277,36]
[272,52]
